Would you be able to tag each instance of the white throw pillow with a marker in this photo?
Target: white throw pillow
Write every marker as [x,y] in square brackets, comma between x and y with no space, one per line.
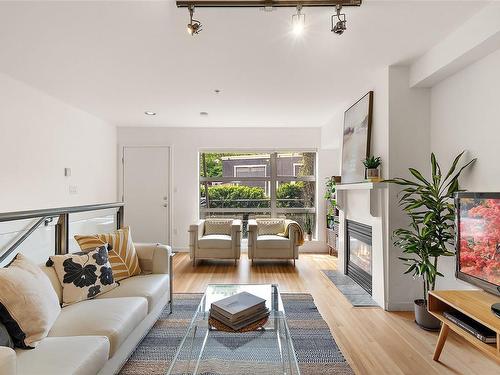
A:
[270,226]
[218,226]
[29,304]
[83,275]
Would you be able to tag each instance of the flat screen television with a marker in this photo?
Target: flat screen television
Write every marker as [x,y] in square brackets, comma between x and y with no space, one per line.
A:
[478,239]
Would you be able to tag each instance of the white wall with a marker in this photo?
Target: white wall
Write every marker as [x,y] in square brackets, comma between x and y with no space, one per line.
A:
[400,135]
[39,137]
[408,140]
[355,205]
[187,142]
[465,115]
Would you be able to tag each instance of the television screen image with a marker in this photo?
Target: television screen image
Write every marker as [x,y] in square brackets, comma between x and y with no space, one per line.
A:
[478,242]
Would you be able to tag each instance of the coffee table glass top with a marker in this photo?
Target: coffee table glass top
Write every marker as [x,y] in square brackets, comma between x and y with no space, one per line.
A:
[268,350]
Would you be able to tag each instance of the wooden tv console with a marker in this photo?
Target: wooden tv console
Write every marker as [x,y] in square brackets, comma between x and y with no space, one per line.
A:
[473,303]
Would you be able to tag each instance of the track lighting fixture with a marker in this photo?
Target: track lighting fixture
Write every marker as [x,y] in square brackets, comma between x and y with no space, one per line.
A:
[194,26]
[338,21]
[298,21]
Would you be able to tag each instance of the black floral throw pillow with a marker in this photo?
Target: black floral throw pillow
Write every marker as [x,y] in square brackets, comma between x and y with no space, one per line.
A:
[83,275]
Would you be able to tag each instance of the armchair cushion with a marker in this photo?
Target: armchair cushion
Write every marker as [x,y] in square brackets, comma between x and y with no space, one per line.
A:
[270,226]
[273,241]
[218,226]
[215,241]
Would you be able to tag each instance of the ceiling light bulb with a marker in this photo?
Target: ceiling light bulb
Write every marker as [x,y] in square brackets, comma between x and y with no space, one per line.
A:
[150,113]
[298,21]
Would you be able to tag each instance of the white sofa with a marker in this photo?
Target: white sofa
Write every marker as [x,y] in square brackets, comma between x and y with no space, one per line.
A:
[214,246]
[97,336]
[273,246]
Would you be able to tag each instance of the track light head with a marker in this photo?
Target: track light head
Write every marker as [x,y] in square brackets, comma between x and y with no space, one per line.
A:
[194,26]
[339,23]
[298,21]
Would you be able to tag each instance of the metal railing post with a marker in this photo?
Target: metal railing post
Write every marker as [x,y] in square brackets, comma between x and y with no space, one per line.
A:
[62,234]
[119,217]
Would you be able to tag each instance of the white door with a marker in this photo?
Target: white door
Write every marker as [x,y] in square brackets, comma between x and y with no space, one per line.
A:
[146,193]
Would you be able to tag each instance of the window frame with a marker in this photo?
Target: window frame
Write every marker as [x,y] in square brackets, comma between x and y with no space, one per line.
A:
[273,179]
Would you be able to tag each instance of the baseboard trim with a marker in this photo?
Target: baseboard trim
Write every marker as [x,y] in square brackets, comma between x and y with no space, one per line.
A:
[399,306]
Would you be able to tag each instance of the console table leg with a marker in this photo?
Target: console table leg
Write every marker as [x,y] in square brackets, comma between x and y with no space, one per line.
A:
[443,334]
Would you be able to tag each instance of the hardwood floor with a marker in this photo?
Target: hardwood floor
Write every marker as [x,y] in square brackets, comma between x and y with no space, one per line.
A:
[374,341]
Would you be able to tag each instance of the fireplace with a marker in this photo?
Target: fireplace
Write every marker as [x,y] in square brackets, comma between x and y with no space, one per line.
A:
[359,254]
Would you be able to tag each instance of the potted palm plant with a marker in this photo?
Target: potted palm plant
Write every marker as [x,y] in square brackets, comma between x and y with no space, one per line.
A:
[430,235]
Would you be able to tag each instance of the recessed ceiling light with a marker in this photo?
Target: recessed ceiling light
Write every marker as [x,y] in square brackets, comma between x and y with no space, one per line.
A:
[150,113]
[217,91]
[203,113]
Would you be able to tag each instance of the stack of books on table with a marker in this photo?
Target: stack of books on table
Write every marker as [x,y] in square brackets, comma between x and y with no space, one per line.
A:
[239,310]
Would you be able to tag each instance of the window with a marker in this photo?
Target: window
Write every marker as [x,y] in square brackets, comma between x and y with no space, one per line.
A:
[255,185]
[296,168]
[249,170]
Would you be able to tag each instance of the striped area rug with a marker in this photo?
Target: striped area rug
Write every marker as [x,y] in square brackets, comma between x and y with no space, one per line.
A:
[315,348]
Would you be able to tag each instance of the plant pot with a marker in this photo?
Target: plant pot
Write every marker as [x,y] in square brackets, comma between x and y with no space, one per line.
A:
[309,236]
[424,318]
[372,173]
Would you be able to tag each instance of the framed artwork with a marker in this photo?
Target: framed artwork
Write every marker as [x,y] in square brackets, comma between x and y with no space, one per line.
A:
[356,139]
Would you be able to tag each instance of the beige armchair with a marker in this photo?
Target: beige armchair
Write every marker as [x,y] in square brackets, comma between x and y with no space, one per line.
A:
[215,239]
[265,243]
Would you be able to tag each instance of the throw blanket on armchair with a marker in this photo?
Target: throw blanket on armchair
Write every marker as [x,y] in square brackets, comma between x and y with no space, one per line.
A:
[300,231]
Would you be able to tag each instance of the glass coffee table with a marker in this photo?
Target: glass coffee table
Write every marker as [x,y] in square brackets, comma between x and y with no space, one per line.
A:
[206,350]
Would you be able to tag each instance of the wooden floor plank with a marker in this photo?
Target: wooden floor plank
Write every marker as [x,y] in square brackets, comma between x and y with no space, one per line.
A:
[374,341]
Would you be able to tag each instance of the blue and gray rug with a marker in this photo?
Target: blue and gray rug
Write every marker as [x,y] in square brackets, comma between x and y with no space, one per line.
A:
[315,348]
[348,287]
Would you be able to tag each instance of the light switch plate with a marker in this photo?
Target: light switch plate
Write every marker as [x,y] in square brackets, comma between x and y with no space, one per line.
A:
[73,189]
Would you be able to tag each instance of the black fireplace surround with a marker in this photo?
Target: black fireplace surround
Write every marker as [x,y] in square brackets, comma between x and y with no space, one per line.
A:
[361,234]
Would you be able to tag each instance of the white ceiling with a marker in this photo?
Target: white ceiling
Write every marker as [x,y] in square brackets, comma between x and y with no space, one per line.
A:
[117,59]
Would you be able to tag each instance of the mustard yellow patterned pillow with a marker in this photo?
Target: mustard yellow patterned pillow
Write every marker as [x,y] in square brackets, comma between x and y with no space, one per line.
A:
[218,226]
[270,226]
[122,254]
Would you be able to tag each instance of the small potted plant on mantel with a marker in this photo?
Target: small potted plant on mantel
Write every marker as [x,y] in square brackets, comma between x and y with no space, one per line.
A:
[430,234]
[372,165]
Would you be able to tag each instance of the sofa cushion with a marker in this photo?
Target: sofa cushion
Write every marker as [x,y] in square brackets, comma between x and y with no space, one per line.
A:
[270,226]
[122,254]
[114,318]
[83,275]
[218,226]
[79,355]
[28,303]
[215,241]
[272,241]
[151,287]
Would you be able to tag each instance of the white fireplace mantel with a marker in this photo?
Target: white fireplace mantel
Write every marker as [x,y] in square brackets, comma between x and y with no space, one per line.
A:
[375,189]
[364,202]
